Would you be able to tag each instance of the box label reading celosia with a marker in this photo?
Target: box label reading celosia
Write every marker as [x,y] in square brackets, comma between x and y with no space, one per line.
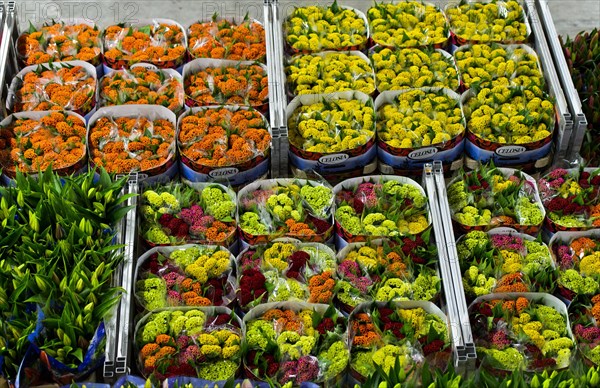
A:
[423,153]
[510,150]
[333,159]
[223,172]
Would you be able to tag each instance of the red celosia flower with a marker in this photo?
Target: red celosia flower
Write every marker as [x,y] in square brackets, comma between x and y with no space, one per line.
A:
[434,346]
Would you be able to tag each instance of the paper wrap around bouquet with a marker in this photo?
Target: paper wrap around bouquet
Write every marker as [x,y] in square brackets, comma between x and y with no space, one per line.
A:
[166,73]
[9,171]
[505,154]
[547,193]
[248,239]
[359,14]
[141,273]
[86,109]
[111,64]
[236,175]
[166,170]
[537,297]
[528,229]
[343,237]
[459,39]
[412,160]
[96,61]
[331,165]
[37,361]
[441,359]
[566,294]
[201,64]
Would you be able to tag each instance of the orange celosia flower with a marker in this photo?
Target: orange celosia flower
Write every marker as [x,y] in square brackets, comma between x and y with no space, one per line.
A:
[596,311]
[31,145]
[240,85]
[142,86]
[165,351]
[582,244]
[60,42]
[149,349]
[299,228]
[321,288]
[225,40]
[161,44]
[219,137]
[521,304]
[110,139]
[65,88]
[164,339]
[150,362]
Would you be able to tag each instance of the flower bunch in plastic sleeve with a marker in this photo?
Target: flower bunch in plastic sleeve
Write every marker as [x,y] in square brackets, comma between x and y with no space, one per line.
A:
[504,262]
[487,198]
[579,271]
[517,333]
[571,197]
[194,276]
[387,209]
[585,328]
[177,213]
[306,345]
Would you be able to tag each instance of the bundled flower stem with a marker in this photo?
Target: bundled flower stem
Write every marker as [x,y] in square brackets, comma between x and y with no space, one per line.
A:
[59,42]
[224,39]
[54,139]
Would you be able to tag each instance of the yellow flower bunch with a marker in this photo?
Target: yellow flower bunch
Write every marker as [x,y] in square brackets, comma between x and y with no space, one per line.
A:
[276,256]
[365,256]
[407,24]
[413,68]
[497,65]
[510,115]
[418,118]
[318,28]
[209,266]
[332,125]
[496,21]
[332,72]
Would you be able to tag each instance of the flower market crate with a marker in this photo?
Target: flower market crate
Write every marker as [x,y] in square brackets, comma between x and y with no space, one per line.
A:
[300,339]
[434,68]
[186,275]
[519,65]
[285,270]
[70,85]
[459,13]
[18,143]
[158,125]
[227,38]
[355,127]
[213,332]
[188,212]
[32,45]
[390,28]
[238,153]
[343,20]
[301,68]
[576,255]
[411,153]
[226,82]
[531,146]
[503,260]
[148,85]
[473,195]
[151,35]
[563,191]
[514,341]
[413,331]
[273,208]
[400,198]
[584,315]
[385,270]
[174,382]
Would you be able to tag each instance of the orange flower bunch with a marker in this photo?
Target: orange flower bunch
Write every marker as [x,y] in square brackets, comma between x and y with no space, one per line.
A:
[364,331]
[596,307]
[232,85]
[219,137]
[57,139]
[142,86]
[299,228]
[219,231]
[156,43]
[582,245]
[512,283]
[191,292]
[126,144]
[321,288]
[225,40]
[595,214]
[60,42]
[70,88]
[154,351]
[285,320]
